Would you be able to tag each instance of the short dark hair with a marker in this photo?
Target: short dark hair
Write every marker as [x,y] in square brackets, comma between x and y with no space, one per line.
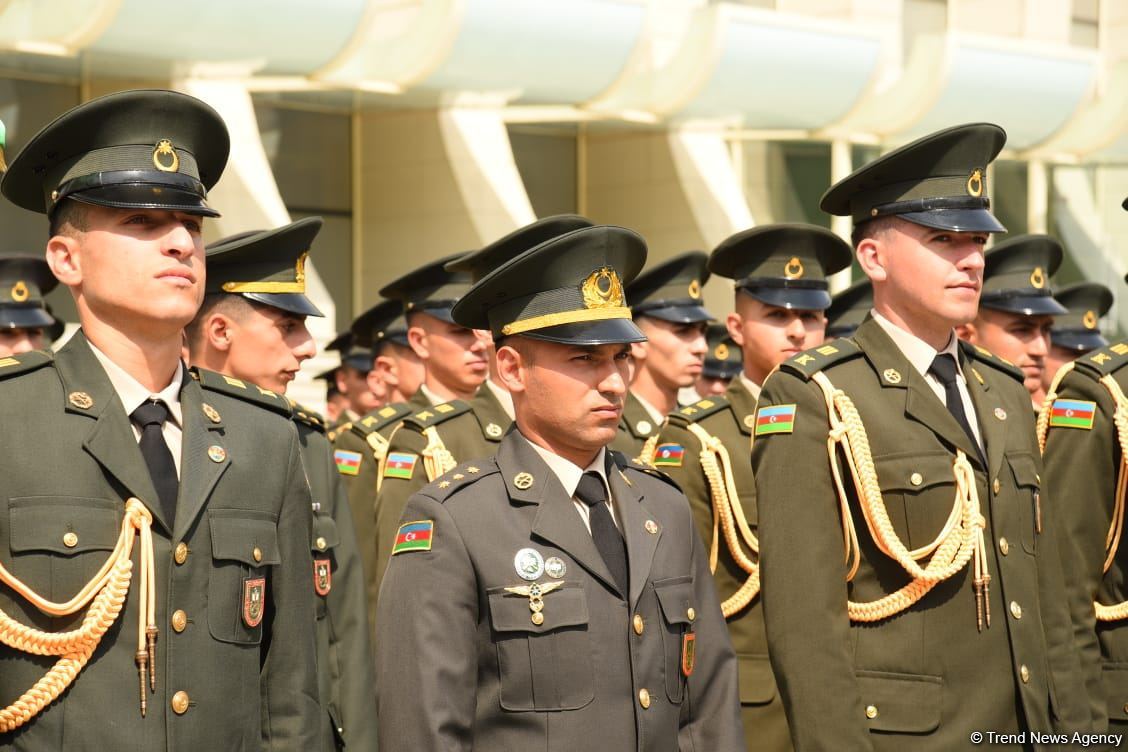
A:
[870,228]
[69,216]
[235,306]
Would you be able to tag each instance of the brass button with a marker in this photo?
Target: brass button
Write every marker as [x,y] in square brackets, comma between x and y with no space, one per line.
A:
[690,613]
[638,625]
[1004,546]
[916,479]
[644,698]
[180,554]
[1016,610]
[257,554]
[179,620]
[871,711]
[180,702]
[996,485]
[1024,673]
[321,544]
[1126,707]
[70,540]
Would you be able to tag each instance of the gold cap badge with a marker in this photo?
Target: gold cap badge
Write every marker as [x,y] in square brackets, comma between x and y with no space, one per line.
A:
[975,183]
[721,352]
[794,268]
[695,289]
[1038,278]
[20,293]
[165,157]
[602,289]
[1089,319]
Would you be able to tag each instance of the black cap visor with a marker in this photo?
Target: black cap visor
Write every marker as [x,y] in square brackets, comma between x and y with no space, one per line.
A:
[1079,341]
[792,298]
[441,311]
[291,302]
[609,332]
[956,220]
[24,317]
[676,314]
[155,197]
[1025,304]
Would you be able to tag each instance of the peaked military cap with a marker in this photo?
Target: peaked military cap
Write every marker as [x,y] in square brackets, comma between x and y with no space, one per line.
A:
[381,323]
[431,288]
[1079,329]
[849,309]
[479,263]
[671,291]
[266,266]
[568,289]
[1016,276]
[938,181]
[142,149]
[24,280]
[724,359]
[353,352]
[784,265]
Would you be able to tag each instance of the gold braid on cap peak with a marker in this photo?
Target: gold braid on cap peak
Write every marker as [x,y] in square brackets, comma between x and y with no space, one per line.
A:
[603,300]
[298,285]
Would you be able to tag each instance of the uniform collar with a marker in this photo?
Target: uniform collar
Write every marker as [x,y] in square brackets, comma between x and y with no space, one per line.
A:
[133,394]
[568,473]
[919,353]
[430,396]
[752,387]
[655,415]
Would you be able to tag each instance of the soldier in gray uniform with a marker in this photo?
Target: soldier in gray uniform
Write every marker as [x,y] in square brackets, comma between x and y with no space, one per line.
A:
[557,593]
[155,530]
[251,329]
[24,319]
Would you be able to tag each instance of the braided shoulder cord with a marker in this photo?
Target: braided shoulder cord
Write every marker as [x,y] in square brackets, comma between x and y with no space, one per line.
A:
[437,459]
[1043,425]
[1116,529]
[649,449]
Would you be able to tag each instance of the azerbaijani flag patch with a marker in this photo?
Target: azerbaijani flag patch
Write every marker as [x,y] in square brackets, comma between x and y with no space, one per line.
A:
[348,463]
[669,455]
[413,536]
[400,465]
[1069,413]
[775,419]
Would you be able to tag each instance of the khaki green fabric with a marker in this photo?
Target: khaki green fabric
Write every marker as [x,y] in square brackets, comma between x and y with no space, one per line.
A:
[635,427]
[928,676]
[69,469]
[346,680]
[464,665]
[470,435]
[765,724]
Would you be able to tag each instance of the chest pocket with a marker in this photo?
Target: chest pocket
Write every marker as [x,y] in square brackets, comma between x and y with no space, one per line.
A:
[679,610]
[919,491]
[244,547]
[59,542]
[323,547]
[1026,479]
[546,666]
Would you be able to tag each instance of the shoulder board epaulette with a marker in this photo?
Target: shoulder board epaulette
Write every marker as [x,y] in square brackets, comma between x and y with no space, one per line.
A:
[983,355]
[378,419]
[12,365]
[340,429]
[462,475]
[695,411]
[311,418]
[810,362]
[433,416]
[244,390]
[624,464]
[1104,360]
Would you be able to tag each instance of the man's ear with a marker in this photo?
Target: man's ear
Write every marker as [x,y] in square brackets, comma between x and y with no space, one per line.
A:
[734,323]
[871,257]
[511,368]
[375,383]
[384,369]
[220,331]
[968,332]
[65,260]
[417,340]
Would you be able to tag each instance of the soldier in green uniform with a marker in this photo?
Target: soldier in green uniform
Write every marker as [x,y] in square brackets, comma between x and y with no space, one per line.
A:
[723,363]
[251,328]
[24,319]
[849,309]
[155,531]
[912,594]
[1017,308]
[1078,331]
[666,303]
[781,291]
[352,377]
[521,608]
[438,437]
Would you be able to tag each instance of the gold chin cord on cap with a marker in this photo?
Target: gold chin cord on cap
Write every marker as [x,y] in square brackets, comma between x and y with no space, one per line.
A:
[105,593]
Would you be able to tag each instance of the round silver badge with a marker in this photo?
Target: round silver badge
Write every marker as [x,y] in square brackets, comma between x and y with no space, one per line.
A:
[554,566]
[529,564]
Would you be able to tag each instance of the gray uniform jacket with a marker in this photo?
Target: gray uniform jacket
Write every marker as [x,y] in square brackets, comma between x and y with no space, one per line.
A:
[461,663]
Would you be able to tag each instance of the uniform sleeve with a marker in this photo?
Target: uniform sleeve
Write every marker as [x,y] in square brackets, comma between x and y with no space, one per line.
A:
[348,609]
[690,477]
[803,575]
[427,656]
[713,722]
[361,492]
[291,711]
[1080,470]
[392,498]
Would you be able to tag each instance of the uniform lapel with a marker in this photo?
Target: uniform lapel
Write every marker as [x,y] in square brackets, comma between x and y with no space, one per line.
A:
[895,372]
[199,468]
[110,440]
[557,520]
[489,412]
[636,418]
[743,405]
[633,516]
[986,404]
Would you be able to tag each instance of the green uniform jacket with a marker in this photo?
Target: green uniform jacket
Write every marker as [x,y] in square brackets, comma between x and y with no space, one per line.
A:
[463,665]
[468,430]
[68,469]
[1081,471]
[927,677]
[346,679]
[729,419]
[357,449]
[635,427]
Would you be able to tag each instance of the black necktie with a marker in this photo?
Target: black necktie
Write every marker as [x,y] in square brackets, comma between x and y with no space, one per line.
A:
[150,416]
[607,537]
[944,369]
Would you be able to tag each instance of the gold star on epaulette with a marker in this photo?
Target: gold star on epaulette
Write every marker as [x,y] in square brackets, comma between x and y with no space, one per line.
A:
[444,483]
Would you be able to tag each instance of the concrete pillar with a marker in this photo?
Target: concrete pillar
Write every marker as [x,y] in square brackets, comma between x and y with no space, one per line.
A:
[1037,196]
[841,165]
